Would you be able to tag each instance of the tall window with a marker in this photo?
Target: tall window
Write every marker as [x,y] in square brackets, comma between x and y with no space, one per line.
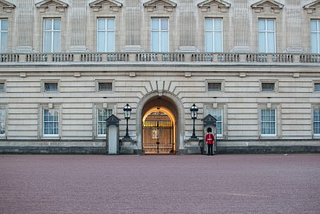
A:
[268,122]
[106,35]
[267,36]
[4,35]
[50,122]
[218,114]
[52,35]
[2,121]
[315,36]
[160,35]
[102,115]
[316,121]
[213,34]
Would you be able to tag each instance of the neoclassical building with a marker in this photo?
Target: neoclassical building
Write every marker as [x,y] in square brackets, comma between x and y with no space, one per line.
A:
[67,65]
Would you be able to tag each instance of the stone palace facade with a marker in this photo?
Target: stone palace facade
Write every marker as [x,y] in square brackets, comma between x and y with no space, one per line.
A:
[67,65]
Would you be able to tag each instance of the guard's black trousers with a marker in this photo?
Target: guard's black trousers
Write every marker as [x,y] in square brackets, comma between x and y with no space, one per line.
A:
[210,149]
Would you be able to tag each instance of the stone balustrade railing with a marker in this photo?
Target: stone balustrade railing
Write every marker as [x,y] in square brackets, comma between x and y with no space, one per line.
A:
[196,57]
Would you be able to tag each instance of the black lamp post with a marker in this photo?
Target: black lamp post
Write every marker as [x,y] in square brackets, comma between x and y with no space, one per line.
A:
[194,111]
[127,113]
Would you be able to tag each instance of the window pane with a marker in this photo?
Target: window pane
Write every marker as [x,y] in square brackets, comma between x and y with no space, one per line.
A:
[57,24]
[4,41]
[50,86]
[317,87]
[313,25]
[50,122]
[218,24]
[209,42]
[314,43]
[101,44]
[164,42]
[105,86]
[111,41]
[101,24]
[267,86]
[268,121]
[218,42]
[2,121]
[214,86]
[270,25]
[56,42]
[110,24]
[262,24]
[262,42]
[47,42]
[271,43]
[155,42]
[4,25]
[48,24]
[1,87]
[208,24]
[164,24]
[155,24]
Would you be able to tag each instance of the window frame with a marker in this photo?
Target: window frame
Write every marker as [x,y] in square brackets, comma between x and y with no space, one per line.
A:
[52,34]
[4,108]
[106,33]
[43,122]
[221,109]
[313,121]
[4,86]
[43,82]
[314,86]
[98,81]
[213,34]
[221,81]
[265,31]
[160,31]
[275,82]
[317,32]
[4,31]
[98,121]
[275,122]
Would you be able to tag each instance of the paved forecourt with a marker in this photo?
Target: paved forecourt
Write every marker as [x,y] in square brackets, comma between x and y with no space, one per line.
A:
[160,184]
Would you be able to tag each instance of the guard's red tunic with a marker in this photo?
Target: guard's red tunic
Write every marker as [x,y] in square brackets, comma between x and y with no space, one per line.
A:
[209,138]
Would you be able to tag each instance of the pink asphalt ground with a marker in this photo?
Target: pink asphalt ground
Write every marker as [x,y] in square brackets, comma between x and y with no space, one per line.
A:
[160,184]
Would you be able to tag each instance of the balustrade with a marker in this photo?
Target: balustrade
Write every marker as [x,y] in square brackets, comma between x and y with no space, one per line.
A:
[145,57]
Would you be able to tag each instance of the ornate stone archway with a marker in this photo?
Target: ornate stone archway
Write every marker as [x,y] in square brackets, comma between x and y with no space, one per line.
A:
[168,101]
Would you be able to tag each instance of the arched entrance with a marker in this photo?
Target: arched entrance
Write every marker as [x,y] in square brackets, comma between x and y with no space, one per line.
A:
[159,131]
[159,126]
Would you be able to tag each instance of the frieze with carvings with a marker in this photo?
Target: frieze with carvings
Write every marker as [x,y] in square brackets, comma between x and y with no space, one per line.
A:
[267,6]
[160,5]
[312,7]
[7,6]
[214,5]
[48,5]
[98,5]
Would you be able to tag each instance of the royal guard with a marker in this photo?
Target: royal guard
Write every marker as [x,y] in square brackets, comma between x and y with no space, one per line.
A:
[210,141]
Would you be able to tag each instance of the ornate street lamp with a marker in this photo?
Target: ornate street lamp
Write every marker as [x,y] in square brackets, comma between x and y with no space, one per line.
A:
[127,113]
[194,111]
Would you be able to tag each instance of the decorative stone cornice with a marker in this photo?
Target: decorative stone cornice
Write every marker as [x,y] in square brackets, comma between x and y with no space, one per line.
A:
[98,4]
[261,6]
[44,5]
[311,7]
[7,6]
[165,5]
[222,6]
